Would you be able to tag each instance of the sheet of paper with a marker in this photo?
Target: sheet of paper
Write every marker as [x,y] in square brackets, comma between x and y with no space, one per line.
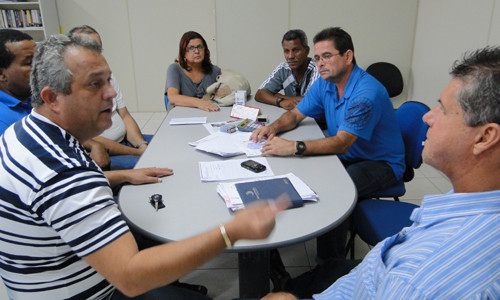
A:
[231,170]
[220,143]
[229,144]
[186,121]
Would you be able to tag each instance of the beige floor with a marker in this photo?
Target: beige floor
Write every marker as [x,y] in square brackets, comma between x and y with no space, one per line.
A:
[220,275]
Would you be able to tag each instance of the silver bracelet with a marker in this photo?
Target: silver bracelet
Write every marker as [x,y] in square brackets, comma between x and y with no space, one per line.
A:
[140,144]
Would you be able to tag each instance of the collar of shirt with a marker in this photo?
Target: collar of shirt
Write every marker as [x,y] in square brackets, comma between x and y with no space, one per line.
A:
[12,101]
[349,88]
[69,139]
[451,205]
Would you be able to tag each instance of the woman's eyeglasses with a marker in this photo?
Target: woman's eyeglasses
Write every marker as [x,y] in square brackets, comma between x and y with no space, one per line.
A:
[199,47]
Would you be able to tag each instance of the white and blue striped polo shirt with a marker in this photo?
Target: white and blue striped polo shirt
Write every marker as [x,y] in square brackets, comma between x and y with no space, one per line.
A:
[452,251]
[56,207]
[282,78]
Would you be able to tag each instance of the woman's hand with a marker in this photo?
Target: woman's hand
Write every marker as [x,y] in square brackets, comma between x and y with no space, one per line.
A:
[208,106]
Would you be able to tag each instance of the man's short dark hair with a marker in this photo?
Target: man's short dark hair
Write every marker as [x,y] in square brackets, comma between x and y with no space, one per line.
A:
[294,34]
[340,38]
[10,36]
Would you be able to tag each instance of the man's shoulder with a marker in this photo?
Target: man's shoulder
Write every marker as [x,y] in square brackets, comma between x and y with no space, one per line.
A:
[283,66]
[362,83]
[70,155]
[281,72]
[7,100]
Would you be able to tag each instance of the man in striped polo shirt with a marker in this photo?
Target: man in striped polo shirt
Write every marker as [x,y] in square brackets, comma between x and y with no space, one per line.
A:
[61,234]
[452,250]
[294,76]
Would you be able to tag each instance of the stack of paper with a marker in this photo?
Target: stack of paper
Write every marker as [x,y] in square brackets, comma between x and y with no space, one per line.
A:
[231,170]
[230,195]
[228,144]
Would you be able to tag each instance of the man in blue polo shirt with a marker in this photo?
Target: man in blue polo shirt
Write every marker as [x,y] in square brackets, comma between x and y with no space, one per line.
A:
[361,122]
[16,53]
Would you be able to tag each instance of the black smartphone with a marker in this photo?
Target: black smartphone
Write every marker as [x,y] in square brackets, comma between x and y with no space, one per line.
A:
[253,166]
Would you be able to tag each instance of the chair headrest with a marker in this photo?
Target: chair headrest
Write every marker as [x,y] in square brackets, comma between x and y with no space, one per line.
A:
[413,130]
[389,75]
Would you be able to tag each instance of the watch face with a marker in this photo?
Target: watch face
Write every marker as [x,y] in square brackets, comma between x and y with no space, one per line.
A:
[301,147]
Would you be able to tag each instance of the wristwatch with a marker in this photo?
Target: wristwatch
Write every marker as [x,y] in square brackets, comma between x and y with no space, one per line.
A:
[278,101]
[300,147]
[140,144]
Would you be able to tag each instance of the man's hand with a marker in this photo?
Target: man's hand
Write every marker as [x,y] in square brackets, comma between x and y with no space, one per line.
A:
[262,132]
[141,149]
[257,220]
[279,147]
[137,176]
[99,154]
[147,175]
[279,296]
[290,103]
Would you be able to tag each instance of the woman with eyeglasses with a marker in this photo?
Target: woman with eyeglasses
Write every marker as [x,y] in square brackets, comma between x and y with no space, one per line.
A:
[191,73]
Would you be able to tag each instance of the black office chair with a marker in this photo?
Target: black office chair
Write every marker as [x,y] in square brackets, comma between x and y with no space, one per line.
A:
[389,75]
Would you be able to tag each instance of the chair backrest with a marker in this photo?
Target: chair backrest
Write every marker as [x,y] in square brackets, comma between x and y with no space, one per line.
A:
[389,75]
[166,102]
[413,130]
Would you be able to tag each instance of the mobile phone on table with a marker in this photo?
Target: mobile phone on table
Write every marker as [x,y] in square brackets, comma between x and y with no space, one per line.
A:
[253,166]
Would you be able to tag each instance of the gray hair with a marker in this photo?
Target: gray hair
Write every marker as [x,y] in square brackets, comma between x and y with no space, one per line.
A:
[49,68]
[480,96]
[84,29]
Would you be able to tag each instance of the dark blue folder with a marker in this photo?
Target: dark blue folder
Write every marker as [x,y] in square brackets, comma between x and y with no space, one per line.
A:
[268,189]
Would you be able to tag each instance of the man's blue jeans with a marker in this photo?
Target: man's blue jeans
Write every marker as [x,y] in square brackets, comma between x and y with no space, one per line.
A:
[368,177]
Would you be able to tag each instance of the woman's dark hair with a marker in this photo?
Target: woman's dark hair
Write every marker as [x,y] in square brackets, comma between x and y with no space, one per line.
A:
[206,64]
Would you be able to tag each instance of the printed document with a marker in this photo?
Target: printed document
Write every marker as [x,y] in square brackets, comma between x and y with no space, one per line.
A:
[231,170]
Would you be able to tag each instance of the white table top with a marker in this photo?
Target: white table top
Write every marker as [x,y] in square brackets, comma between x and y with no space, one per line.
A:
[193,207]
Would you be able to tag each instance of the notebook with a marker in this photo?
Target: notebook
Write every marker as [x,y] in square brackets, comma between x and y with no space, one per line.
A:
[269,189]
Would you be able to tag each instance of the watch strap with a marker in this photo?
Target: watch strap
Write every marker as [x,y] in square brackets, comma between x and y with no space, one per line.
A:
[300,147]
[278,101]
[140,144]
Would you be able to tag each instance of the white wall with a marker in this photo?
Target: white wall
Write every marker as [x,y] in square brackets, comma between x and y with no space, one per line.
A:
[141,37]
[445,30]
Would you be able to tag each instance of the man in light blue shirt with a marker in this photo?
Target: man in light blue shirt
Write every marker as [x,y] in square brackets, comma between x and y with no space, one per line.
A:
[452,250]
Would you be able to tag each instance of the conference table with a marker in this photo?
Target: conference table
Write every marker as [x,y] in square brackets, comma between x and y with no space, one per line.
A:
[193,207]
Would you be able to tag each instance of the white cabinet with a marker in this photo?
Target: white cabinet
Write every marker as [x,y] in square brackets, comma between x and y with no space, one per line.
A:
[48,11]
